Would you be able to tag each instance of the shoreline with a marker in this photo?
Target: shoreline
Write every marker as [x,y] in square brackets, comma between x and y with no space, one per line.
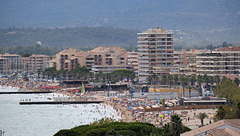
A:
[121,109]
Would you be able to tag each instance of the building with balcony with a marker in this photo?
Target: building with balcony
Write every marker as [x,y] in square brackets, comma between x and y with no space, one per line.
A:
[66,60]
[13,63]
[104,56]
[35,63]
[222,61]
[133,61]
[4,66]
[155,48]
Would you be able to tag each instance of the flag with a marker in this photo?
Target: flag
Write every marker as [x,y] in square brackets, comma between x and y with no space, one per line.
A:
[83,90]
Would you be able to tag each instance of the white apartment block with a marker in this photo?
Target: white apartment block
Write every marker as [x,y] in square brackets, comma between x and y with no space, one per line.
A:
[222,61]
[155,48]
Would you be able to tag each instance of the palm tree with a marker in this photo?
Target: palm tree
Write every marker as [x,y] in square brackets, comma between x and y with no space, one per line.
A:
[217,79]
[221,112]
[164,79]
[175,78]
[170,80]
[183,81]
[237,81]
[202,116]
[211,81]
[176,126]
[193,80]
[152,78]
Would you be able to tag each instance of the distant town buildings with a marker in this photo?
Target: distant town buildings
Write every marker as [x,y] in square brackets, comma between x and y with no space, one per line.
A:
[155,55]
[11,63]
[35,63]
[155,49]
[105,59]
[222,61]
[14,63]
[133,61]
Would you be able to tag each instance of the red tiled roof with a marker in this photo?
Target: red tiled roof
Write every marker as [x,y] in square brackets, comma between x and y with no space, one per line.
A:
[231,122]
[232,77]
[229,48]
[224,132]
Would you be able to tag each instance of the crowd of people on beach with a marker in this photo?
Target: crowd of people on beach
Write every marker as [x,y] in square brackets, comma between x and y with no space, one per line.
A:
[139,109]
[23,85]
[146,110]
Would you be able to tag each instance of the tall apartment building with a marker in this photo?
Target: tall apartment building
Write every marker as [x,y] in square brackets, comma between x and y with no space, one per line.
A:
[133,61]
[66,59]
[98,58]
[155,47]
[222,61]
[3,66]
[13,63]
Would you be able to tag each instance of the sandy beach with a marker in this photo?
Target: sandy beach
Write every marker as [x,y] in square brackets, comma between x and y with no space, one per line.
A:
[127,109]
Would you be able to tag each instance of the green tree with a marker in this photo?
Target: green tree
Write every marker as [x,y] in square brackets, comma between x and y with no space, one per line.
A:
[221,112]
[164,79]
[152,79]
[227,89]
[237,81]
[224,78]
[175,78]
[202,116]
[238,110]
[193,80]
[183,80]
[170,80]
[176,126]
[26,54]
[217,79]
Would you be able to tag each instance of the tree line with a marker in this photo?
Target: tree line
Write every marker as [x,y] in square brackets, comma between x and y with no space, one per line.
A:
[82,73]
[109,127]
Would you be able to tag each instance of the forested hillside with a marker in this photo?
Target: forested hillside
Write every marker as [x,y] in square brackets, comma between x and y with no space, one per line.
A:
[68,37]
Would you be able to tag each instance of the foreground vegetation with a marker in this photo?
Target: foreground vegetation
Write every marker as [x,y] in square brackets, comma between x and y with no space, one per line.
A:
[108,127]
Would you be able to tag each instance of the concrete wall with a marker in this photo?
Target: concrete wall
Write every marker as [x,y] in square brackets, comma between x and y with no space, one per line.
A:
[156,95]
[179,90]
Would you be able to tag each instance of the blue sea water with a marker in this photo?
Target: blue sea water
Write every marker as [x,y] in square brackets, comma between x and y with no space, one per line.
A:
[45,120]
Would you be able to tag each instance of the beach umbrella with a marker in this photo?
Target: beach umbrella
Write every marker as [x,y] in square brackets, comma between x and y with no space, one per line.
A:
[161,115]
[167,112]
[148,107]
[140,108]
[211,117]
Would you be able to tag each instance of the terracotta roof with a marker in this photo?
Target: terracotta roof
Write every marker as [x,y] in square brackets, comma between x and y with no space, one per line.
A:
[70,50]
[231,122]
[38,55]
[229,48]
[224,132]
[102,49]
[232,77]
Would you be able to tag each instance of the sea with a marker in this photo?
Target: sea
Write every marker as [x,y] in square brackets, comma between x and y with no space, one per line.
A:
[45,120]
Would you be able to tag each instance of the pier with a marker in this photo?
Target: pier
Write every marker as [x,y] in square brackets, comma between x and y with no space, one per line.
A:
[59,102]
[26,92]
